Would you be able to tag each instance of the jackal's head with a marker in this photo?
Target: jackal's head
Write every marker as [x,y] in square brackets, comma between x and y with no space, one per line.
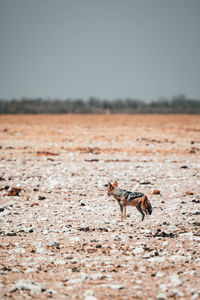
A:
[111,187]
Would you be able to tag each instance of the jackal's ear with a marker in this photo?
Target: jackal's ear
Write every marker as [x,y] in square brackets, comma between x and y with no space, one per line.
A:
[110,185]
[115,184]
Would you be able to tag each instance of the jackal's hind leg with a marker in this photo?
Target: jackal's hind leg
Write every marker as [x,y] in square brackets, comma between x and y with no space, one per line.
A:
[125,212]
[141,211]
[145,211]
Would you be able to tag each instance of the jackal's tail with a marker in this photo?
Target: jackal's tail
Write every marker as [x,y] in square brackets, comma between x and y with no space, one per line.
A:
[149,207]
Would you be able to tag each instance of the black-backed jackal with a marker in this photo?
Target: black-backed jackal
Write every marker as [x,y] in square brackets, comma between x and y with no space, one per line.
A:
[126,198]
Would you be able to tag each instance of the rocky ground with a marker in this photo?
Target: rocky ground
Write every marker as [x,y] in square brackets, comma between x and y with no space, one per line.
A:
[61,236]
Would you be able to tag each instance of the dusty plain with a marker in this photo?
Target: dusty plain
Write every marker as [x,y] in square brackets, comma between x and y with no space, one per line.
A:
[61,236]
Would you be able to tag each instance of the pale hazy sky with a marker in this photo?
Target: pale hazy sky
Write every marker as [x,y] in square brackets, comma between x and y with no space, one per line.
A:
[103,48]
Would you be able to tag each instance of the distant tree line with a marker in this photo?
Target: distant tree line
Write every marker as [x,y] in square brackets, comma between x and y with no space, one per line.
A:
[179,104]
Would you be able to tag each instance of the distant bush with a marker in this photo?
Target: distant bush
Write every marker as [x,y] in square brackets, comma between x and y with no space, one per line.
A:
[178,104]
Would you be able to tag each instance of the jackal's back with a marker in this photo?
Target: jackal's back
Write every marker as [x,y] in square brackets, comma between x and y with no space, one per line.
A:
[129,196]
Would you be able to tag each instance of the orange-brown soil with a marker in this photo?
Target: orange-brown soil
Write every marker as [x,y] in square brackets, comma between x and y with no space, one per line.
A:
[60,234]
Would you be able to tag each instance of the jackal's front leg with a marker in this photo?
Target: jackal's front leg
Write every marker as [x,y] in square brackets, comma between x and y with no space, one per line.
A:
[122,212]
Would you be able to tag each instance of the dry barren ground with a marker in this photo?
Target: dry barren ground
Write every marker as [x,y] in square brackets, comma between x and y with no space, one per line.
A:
[61,236]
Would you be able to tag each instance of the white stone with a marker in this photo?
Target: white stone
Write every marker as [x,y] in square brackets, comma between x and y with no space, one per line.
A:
[175,281]
[165,243]
[197,261]
[18,250]
[113,286]
[148,255]
[195,296]
[84,276]
[138,250]
[96,276]
[31,286]
[90,298]
[45,232]
[137,287]
[138,281]
[42,250]
[30,269]
[159,274]
[89,295]
[75,281]
[187,235]
[163,287]
[75,239]
[15,270]
[87,208]
[161,296]
[82,203]
[177,258]
[157,259]
[121,224]
[60,262]
[178,293]
[147,231]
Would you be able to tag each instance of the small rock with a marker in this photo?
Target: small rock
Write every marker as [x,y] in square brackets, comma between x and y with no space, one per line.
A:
[197,213]
[178,293]
[14,191]
[30,270]
[145,182]
[156,192]
[196,201]
[54,244]
[82,203]
[163,287]
[121,224]
[50,292]
[197,261]
[75,269]
[89,295]
[163,234]
[147,255]
[41,249]
[195,296]
[165,243]
[34,288]
[113,286]
[159,274]
[188,193]
[18,250]
[11,234]
[45,232]
[138,250]
[74,239]
[147,231]
[165,223]
[97,276]
[161,296]
[87,208]
[175,281]
[34,204]
[86,229]
[41,197]
[75,281]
